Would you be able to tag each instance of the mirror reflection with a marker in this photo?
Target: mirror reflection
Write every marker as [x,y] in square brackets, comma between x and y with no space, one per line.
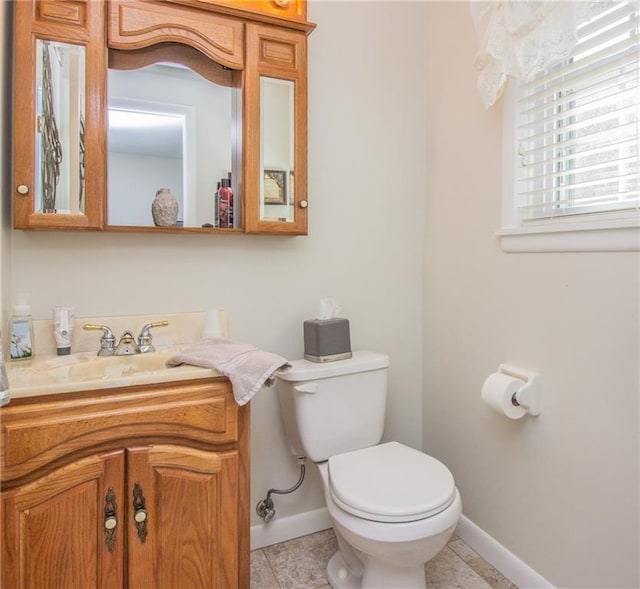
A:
[60,107]
[168,128]
[277,187]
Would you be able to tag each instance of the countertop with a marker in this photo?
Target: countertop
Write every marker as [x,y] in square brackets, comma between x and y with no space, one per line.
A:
[84,371]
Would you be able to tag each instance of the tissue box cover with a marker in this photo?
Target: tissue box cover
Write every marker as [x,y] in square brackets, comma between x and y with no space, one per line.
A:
[326,340]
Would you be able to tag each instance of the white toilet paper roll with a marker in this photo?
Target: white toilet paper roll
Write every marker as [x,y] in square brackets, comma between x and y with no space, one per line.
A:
[497,392]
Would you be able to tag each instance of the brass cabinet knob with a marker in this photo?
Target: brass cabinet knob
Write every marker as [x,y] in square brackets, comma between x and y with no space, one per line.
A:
[22,189]
[281,3]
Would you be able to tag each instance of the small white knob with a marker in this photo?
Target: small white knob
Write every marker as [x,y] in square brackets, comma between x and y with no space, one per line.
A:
[22,189]
[111,522]
[140,515]
[304,204]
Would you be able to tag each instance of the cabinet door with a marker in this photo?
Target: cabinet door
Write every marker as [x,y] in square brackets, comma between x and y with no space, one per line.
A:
[275,131]
[59,116]
[183,530]
[65,528]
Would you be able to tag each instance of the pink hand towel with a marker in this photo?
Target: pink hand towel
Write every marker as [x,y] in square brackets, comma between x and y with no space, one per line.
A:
[247,367]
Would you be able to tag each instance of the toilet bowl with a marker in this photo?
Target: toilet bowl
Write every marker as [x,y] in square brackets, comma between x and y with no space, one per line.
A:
[389,548]
[392,507]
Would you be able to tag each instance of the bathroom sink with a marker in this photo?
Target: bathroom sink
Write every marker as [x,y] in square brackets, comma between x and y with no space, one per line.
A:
[91,366]
[86,371]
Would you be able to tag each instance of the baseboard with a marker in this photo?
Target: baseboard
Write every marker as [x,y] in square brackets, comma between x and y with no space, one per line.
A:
[287,528]
[517,571]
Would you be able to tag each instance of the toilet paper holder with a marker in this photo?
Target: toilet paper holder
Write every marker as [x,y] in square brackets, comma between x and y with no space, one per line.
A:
[528,396]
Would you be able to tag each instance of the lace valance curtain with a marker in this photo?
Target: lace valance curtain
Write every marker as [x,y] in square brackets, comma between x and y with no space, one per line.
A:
[521,38]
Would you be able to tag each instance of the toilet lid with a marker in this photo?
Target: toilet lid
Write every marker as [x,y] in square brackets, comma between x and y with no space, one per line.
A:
[390,483]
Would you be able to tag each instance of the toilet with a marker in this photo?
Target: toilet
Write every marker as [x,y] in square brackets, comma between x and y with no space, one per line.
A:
[393,508]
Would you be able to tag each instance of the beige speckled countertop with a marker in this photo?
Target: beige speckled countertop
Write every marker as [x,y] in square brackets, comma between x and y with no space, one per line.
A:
[83,370]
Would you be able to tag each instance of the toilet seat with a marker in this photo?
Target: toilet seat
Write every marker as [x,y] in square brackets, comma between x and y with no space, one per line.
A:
[390,483]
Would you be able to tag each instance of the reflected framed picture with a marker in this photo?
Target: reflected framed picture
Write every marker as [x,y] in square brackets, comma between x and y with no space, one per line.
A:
[275,187]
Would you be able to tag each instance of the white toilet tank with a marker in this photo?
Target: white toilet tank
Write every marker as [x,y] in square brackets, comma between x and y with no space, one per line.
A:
[333,407]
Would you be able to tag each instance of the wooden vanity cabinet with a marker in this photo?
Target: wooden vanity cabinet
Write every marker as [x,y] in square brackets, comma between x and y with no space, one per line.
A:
[243,39]
[135,487]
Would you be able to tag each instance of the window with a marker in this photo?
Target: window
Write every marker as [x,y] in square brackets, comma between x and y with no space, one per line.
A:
[572,177]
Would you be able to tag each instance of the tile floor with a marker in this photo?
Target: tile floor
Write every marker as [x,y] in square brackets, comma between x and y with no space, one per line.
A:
[301,564]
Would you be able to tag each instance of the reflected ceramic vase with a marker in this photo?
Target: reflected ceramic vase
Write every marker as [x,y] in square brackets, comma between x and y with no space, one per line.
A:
[164,208]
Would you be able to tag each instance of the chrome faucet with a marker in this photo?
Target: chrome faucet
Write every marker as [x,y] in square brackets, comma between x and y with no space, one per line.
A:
[107,341]
[144,339]
[127,344]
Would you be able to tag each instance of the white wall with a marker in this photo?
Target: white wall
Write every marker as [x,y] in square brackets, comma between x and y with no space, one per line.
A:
[366,196]
[561,490]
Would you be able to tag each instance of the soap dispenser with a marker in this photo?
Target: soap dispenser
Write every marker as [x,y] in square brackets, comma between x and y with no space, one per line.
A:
[21,346]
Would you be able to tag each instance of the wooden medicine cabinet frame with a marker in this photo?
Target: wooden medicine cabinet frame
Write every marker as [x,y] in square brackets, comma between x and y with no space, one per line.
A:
[243,40]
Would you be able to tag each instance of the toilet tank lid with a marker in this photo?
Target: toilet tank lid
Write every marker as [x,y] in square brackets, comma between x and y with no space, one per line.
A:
[361,361]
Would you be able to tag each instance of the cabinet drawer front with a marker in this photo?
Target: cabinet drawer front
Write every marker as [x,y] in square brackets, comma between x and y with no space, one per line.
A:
[37,433]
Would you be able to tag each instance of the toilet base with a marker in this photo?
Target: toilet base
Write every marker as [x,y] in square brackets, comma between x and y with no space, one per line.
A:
[339,576]
[376,576]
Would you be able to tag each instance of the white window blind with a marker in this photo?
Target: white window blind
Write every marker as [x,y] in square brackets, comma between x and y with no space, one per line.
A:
[578,124]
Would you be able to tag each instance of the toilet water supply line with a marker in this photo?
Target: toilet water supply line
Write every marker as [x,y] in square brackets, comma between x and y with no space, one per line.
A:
[265,508]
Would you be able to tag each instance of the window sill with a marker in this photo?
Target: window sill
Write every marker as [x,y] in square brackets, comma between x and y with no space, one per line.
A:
[622,235]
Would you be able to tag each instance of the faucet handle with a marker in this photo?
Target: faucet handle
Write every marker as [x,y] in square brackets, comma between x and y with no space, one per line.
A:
[107,341]
[144,339]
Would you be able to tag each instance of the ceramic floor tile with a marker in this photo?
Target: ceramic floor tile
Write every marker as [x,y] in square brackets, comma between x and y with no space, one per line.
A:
[481,566]
[261,574]
[448,571]
[301,563]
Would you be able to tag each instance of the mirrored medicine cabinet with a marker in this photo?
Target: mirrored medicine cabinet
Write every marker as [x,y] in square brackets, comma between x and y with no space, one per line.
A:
[116,100]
